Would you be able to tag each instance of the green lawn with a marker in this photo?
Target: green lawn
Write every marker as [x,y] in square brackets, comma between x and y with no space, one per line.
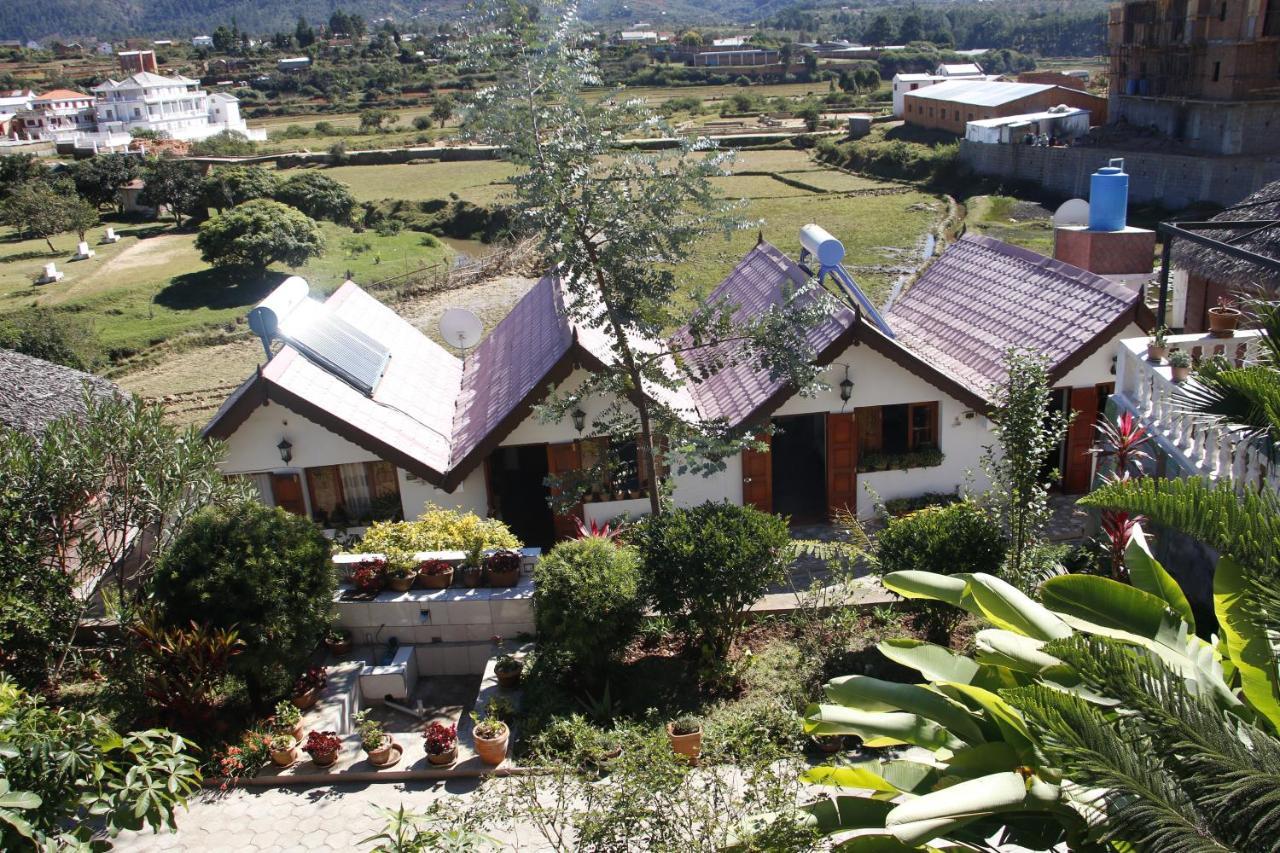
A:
[476,181]
[153,286]
[1007,219]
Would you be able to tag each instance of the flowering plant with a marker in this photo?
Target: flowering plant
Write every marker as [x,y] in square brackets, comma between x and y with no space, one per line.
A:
[434,567]
[243,761]
[312,679]
[440,738]
[322,744]
[370,575]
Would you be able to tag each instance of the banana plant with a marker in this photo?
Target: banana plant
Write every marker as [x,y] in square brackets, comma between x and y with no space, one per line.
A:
[973,762]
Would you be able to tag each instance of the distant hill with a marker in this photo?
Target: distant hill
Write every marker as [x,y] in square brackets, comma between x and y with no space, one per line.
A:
[119,19]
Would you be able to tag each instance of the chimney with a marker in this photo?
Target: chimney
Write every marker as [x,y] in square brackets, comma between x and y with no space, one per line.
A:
[1108,245]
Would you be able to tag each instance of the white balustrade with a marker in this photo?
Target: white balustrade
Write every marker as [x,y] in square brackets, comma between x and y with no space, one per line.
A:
[1197,446]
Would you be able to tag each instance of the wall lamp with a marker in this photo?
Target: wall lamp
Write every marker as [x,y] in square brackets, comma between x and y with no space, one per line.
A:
[579,419]
[846,387]
[286,450]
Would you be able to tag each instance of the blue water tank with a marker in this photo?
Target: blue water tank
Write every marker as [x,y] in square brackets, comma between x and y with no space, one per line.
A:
[1108,197]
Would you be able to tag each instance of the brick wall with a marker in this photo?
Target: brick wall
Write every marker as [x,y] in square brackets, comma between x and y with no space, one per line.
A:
[1224,127]
[951,116]
[1126,252]
[1174,180]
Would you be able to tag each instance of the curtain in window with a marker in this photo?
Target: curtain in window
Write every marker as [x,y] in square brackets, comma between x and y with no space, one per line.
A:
[355,488]
[266,494]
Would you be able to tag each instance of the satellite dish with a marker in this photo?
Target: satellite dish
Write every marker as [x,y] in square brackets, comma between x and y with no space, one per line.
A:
[461,328]
[1073,211]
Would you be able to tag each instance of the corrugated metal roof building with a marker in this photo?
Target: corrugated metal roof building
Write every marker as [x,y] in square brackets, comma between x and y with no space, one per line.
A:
[950,106]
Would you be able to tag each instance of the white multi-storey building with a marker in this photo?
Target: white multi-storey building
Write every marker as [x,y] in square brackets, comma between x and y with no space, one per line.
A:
[173,105]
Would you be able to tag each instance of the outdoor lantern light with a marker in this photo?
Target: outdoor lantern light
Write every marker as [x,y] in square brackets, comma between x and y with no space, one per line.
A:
[846,388]
[286,449]
[579,419]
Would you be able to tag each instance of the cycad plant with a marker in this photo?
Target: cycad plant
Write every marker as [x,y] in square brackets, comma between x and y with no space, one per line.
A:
[1095,718]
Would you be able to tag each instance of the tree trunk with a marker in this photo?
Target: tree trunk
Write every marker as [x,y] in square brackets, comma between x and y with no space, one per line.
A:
[49,243]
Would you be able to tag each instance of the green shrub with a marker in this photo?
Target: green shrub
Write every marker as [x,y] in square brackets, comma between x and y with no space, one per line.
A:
[948,539]
[902,506]
[257,569]
[437,530]
[704,564]
[587,599]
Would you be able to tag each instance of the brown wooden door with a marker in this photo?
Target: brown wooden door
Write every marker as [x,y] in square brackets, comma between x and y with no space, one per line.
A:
[561,459]
[286,491]
[757,477]
[842,463]
[1078,467]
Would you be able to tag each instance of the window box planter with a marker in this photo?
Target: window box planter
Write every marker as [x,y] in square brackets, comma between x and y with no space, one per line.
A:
[924,458]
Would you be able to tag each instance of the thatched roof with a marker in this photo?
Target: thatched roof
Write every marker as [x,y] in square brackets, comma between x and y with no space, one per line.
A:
[1235,272]
[35,392]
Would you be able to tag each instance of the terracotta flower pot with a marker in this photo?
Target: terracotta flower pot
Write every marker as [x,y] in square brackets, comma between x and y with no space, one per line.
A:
[443,759]
[443,581]
[303,701]
[830,743]
[338,648]
[324,759]
[1180,374]
[500,579]
[509,679]
[1157,354]
[399,584]
[690,745]
[382,755]
[296,731]
[1223,321]
[472,577]
[493,751]
[284,757]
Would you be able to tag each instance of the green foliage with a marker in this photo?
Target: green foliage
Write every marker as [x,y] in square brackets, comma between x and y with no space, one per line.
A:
[587,600]
[228,143]
[172,183]
[71,504]
[704,564]
[927,457]
[258,233]
[18,169]
[1026,433]
[100,178]
[438,530]
[187,665]
[39,210]
[372,120]
[261,570]
[67,338]
[442,109]
[228,186]
[62,773]
[318,196]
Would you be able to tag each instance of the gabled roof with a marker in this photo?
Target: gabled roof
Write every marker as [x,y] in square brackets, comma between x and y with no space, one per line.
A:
[62,95]
[982,93]
[983,296]
[36,392]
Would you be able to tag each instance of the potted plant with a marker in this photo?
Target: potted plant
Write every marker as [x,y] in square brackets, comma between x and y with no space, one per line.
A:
[375,741]
[306,690]
[370,576]
[473,567]
[1158,347]
[435,574]
[323,747]
[401,575]
[288,720]
[1180,365]
[338,640]
[284,750]
[503,568]
[829,743]
[441,743]
[685,734]
[508,669]
[1223,318]
[491,736]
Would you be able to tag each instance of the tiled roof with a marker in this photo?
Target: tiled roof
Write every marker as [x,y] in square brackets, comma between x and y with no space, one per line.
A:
[739,388]
[36,392]
[510,363]
[62,95]
[412,406]
[982,296]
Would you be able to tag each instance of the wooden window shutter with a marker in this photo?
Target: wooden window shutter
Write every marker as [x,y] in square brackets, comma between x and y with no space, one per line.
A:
[842,463]
[561,459]
[757,477]
[1079,463]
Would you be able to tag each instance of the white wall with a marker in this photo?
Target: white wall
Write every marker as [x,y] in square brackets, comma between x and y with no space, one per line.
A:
[1098,367]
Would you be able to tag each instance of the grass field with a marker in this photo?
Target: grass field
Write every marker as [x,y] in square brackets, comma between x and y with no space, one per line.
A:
[478,181]
[1019,222]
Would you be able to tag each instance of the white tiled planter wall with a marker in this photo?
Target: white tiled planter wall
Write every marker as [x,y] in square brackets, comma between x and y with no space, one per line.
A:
[451,630]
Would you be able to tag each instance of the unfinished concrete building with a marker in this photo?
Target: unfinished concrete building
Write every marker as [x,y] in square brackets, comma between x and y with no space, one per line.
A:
[1203,72]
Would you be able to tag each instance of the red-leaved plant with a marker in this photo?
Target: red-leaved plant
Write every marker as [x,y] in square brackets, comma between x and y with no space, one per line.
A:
[322,744]
[312,679]
[595,530]
[370,575]
[503,561]
[1124,442]
[440,738]
[434,567]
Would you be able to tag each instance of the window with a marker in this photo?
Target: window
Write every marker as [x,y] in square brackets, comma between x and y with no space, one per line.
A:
[901,436]
[354,495]
[1222,11]
[1217,71]
[615,469]
[957,115]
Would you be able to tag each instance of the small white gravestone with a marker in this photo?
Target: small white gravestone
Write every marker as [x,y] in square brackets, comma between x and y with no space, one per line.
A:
[83,252]
[50,274]
[111,236]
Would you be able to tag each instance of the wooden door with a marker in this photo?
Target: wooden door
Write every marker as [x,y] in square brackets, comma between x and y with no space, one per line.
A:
[1078,467]
[757,477]
[842,463]
[561,459]
[286,491]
